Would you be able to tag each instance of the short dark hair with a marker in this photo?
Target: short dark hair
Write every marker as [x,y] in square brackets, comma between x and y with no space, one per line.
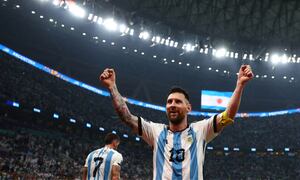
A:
[110,137]
[176,89]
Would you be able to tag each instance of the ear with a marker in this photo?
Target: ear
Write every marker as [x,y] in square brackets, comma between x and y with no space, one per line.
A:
[189,107]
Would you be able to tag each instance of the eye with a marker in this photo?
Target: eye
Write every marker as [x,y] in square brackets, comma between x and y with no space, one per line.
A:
[178,101]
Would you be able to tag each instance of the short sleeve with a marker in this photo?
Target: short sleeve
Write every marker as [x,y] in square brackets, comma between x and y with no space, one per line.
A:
[86,161]
[206,128]
[149,130]
[117,159]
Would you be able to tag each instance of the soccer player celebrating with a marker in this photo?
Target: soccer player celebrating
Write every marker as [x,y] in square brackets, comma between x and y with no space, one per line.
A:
[178,148]
[104,163]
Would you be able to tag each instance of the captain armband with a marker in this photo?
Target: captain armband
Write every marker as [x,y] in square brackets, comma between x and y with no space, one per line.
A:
[225,121]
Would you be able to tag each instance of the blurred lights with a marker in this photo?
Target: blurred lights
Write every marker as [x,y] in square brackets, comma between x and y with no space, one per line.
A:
[110,24]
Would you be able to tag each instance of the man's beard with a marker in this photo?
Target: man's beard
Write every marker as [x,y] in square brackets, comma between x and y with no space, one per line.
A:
[175,121]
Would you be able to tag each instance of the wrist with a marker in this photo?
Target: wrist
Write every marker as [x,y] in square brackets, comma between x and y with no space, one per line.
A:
[112,87]
[240,85]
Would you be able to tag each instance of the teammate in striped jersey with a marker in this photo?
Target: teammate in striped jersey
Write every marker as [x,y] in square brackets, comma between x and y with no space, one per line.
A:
[178,148]
[104,163]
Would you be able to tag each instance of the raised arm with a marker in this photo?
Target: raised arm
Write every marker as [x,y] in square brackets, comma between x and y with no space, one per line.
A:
[108,79]
[115,172]
[245,74]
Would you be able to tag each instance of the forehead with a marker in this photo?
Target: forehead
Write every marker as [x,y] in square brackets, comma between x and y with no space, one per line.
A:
[176,95]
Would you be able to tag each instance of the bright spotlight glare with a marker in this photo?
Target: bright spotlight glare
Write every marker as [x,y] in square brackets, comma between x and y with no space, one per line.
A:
[77,10]
[90,17]
[275,58]
[122,28]
[144,35]
[188,47]
[56,2]
[284,59]
[157,39]
[220,53]
[110,24]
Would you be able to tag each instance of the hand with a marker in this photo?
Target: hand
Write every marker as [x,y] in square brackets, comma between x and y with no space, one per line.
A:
[245,74]
[108,78]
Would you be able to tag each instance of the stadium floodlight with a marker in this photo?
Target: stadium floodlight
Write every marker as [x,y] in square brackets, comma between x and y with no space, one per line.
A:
[36,110]
[55,116]
[72,28]
[171,43]
[236,149]
[167,42]
[201,50]
[131,32]
[41,16]
[157,39]
[144,35]
[100,20]
[209,68]
[206,51]
[286,149]
[221,52]
[284,59]
[273,77]
[270,150]
[110,24]
[153,39]
[210,148]
[88,125]
[253,149]
[275,58]
[251,57]
[226,149]
[56,2]
[77,10]
[72,120]
[137,139]
[95,18]
[236,55]
[172,60]
[123,28]
[114,132]
[101,129]
[32,12]
[125,135]
[188,47]
[231,54]
[292,78]
[175,44]
[90,17]
[163,41]
[284,77]
[245,56]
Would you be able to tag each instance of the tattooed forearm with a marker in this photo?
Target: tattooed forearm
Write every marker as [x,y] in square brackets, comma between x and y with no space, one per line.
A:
[122,109]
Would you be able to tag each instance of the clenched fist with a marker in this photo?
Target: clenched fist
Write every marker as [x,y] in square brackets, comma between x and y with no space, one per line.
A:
[245,74]
[108,78]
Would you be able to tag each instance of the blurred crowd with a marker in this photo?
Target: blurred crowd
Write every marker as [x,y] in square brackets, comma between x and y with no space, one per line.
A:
[34,146]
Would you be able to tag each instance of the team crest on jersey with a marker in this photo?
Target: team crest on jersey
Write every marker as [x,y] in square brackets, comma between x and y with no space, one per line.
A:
[190,139]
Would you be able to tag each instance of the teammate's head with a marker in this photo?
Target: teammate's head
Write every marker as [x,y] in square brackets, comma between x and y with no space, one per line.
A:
[112,139]
[178,105]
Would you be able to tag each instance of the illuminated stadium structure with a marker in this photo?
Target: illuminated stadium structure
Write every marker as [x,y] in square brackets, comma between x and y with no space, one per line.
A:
[52,51]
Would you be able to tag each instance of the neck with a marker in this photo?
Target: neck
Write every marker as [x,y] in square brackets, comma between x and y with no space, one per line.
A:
[110,146]
[178,127]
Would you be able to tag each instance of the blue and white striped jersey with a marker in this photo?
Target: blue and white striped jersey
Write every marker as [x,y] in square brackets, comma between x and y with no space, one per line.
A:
[99,163]
[178,155]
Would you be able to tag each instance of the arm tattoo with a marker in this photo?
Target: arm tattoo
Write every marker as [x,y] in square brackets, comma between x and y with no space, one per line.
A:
[122,109]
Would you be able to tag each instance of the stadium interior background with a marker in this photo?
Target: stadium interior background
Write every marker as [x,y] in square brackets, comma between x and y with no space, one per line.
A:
[48,125]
